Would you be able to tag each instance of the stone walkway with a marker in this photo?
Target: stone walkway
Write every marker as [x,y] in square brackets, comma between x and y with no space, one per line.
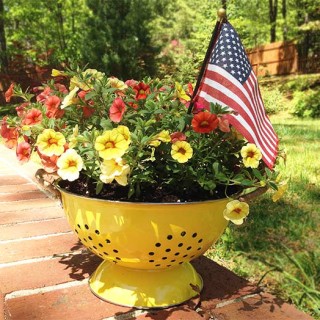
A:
[44,269]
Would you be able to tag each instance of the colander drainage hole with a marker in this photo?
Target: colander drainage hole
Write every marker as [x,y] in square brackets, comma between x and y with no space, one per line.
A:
[101,245]
[108,241]
[158,244]
[106,253]
[200,240]
[95,247]
[76,230]
[164,258]
[169,237]
[97,231]
[151,260]
[180,245]
[189,248]
[78,226]
[86,226]
[194,235]
[183,233]
[115,251]
[151,253]
[177,253]
[168,250]
[90,238]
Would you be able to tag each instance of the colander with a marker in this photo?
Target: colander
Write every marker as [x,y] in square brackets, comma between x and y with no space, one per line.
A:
[146,247]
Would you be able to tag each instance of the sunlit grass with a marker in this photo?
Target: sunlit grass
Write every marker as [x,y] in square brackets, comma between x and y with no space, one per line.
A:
[280,242]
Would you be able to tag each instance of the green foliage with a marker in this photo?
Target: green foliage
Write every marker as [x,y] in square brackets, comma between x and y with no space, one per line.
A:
[272,99]
[307,104]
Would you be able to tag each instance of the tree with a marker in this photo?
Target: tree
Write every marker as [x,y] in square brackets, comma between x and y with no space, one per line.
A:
[3,43]
[273,11]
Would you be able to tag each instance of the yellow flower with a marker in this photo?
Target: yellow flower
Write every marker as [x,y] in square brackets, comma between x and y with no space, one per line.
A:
[56,73]
[163,136]
[181,94]
[181,151]
[251,155]
[280,192]
[69,164]
[87,79]
[73,138]
[236,211]
[111,144]
[114,169]
[117,84]
[70,98]
[125,132]
[51,143]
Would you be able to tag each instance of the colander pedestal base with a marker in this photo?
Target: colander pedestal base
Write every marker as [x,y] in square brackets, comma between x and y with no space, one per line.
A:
[144,288]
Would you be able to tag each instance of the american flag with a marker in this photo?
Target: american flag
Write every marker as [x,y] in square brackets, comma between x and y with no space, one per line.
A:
[230,81]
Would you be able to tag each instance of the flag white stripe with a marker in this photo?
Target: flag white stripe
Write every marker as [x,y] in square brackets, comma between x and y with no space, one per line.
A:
[270,149]
[264,121]
[240,120]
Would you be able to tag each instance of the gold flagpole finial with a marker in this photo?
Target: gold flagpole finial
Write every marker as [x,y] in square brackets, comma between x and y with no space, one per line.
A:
[221,14]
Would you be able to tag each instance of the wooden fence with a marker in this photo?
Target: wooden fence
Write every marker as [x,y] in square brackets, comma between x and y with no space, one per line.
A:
[276,58]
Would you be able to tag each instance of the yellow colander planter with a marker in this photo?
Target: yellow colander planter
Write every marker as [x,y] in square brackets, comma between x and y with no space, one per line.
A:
[146,247]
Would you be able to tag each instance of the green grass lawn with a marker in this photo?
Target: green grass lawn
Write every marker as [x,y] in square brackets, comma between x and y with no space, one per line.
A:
[279,244]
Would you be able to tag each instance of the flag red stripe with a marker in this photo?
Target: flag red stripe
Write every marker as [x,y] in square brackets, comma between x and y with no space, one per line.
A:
[261,121]
[255,137]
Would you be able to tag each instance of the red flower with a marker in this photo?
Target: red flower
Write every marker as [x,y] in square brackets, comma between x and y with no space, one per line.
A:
[61,88]
[197,107]
[142,90]
[52,104]
[33,116]
[9,135]
[178,136]
[131,83]
[23,152]
[42,97]
[8,94]
[21,109]
[117,110]
[87,111]
[204,122]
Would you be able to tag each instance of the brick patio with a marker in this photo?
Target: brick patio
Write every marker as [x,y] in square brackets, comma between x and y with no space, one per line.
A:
[44,269]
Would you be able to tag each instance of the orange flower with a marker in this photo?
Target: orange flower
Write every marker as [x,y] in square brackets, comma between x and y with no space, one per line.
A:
[21,109]
[33,116]
[44,95]
[52,104]
[142,90]
[117,110]
[23,152]
[9,135]
[8,94]
[204,122]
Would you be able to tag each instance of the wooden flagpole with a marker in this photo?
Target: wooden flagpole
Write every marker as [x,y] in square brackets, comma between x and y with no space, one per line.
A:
[221,19]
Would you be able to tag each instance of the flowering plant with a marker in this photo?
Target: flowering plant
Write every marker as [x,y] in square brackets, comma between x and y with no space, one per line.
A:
[134,141]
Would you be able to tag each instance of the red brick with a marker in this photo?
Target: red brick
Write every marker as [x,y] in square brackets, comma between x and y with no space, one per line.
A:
[12,180]
[31,215]
[48,272]
[35,248]
[71,303]
[2,311]
[34,228]
[16,189]
[260,307]
[220,284]
[26,195]
[27,204]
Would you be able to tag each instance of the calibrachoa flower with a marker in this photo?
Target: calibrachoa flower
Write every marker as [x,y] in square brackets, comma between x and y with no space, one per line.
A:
[181,151]
[51,143]
[251,155]
[236,211]
[114,169]
[23,152]
[204,122]
[32,117]
[111,145]
[8,94]
[138,134]
[280,192]
[117,110]
[69,164]
[142,90]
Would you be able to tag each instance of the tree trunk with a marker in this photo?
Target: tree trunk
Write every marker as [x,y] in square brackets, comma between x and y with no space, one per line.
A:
[273,10]
[224,4]
[284,16]
[3,43]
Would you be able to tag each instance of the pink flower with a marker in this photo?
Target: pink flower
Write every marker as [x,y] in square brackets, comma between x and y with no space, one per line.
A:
[178,136]
[117,110]
[224,124]
[52,104]
[33,116]
[198,107]
[61,88]
[23,152]
[131,83]
[8,94]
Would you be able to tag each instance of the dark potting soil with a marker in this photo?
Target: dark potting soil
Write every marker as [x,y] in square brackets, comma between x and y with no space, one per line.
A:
[114,191]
